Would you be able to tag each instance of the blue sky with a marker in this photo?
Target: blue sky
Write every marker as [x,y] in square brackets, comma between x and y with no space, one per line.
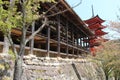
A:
[106,9]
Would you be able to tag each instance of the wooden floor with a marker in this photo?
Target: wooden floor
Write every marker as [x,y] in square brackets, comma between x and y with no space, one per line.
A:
[74,50]
[43,52]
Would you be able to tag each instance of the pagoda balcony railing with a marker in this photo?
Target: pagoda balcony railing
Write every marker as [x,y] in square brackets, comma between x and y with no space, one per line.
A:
[63,41]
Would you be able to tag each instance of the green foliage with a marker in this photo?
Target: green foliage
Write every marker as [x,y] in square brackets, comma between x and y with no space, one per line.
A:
[6,78]
[109,58]
[17,14]
[31,8]
[2,67]
[12,54]
[47,1]
[8,17]
[11,18]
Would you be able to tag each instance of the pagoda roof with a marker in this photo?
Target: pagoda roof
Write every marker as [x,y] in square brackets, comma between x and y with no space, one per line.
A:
[95,26]
[93,20]
[106,40]
[98,40]
[94,44]
[100,32]
[102,27]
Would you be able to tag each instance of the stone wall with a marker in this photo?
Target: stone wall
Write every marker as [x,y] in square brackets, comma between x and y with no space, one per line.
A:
[41,68]
[6,67]
[36,68]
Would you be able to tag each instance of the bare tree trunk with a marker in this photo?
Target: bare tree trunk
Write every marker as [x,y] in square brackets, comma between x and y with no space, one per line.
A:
[6,45]
[19,60]
[106,77]
[18,68]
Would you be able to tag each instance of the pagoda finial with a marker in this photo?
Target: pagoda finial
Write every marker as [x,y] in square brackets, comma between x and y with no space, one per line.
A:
[92,11]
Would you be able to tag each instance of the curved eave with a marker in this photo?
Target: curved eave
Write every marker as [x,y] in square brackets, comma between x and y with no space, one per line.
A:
[95,44]
[93,20]
[102,27]
[95,26]
[106,40]
[100,32]
[76,19]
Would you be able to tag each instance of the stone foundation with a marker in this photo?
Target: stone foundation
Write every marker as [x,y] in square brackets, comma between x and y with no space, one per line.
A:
[36,68]
[42,68]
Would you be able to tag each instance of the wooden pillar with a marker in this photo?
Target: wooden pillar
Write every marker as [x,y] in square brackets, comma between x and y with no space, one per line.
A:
[32,40]
[77,41]
[73,41]
[89,43]
[67,38]
[81,42]
[58,30]
[86,43]
[6,45]
[48,41]
[77,45]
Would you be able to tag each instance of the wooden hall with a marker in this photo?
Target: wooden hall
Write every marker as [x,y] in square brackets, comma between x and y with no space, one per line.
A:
[63,37]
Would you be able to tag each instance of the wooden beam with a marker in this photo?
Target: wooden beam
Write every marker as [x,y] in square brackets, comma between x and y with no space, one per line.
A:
[77,41]
[73,41]
[58,30]
[81,42]
[86,43]
[89,43]
[67,38]
[48,41]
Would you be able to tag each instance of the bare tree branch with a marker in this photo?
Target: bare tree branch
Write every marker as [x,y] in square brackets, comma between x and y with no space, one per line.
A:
[115,26]
[38,30]
[12,45]
[52,7]
[60,12]
[45,17]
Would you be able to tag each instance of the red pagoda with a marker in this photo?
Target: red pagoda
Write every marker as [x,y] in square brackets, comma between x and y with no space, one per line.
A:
[95,24]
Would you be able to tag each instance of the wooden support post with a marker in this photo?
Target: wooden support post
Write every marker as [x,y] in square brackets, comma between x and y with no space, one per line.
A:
[6,45]
[78,52]
[77,45]
[77,41]
[32,40]
[86,43]
[48,41]
[73,41]
[67,38]
[89,43]
[58,48]
[81,42]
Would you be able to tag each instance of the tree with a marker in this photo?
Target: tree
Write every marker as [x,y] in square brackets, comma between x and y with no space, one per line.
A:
[114,26]
[22,14]
[109,60]
[11,17]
